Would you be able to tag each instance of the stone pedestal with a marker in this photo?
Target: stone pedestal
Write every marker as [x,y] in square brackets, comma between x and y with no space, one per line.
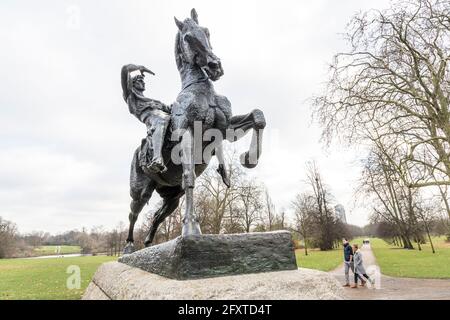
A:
[205,256]
[117,281]
[233,266]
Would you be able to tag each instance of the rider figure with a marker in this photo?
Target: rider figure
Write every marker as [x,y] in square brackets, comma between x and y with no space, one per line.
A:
[156,116]
[153,113]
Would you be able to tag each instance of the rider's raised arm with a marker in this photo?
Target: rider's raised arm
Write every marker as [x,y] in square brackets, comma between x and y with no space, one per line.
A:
[126,80]
[127,84]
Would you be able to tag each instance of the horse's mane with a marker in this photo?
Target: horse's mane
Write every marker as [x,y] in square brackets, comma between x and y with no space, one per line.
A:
[178,49]
[178,52]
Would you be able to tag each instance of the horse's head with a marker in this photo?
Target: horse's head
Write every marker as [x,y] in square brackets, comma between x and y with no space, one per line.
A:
[195,47]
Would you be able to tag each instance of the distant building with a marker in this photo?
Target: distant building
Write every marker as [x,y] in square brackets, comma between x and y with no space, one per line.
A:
[340,213]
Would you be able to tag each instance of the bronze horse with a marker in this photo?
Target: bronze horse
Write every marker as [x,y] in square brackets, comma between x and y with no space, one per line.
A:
[197,103]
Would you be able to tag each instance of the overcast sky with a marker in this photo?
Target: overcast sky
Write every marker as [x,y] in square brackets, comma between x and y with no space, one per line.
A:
[66,137]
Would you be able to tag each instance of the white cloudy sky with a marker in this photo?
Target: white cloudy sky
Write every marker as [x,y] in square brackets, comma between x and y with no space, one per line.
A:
[66,138]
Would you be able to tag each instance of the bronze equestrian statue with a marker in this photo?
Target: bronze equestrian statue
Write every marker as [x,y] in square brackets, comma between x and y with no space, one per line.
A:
[166,165]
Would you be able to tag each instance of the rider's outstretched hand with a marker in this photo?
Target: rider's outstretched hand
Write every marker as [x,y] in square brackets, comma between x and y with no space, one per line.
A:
[143,69]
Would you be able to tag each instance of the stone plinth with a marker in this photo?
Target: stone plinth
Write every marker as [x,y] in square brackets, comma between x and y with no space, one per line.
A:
[204,256]
[117,281]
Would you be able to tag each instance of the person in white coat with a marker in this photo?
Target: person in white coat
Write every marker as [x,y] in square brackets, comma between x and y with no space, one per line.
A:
[360,271]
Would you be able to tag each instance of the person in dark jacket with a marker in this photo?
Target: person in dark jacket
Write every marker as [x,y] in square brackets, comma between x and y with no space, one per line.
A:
[348,261]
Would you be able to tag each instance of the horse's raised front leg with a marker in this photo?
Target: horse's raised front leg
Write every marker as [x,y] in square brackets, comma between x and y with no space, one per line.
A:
[190,221]
[239,126]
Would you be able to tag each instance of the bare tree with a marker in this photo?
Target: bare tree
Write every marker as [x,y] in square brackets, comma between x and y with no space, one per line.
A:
[171,227]
[323,216]
[114,239]
[214,198]
[269,216]
[304,206]
[35,238]
[85,241]
[8,234]
[395,79]
[250,203]
[427,212]
[445,197]
[386,183]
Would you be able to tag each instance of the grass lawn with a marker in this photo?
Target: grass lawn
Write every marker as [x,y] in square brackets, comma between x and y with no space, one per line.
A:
[45,278]
[50,250]
[320,260]
[398,262]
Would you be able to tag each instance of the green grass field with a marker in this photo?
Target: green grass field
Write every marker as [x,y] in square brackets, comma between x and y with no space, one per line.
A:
[398,262]
[320,260]
[50,250]
[45,278]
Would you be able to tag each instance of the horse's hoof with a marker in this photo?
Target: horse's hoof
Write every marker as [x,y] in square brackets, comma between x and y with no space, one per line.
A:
[129,248]
[157,166]
[245,161]
[225,179]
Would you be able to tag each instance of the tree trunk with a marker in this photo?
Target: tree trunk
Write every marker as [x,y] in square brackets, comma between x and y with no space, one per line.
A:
[445,200]
[400,241]
[407,244]
[429,237]
[306,247]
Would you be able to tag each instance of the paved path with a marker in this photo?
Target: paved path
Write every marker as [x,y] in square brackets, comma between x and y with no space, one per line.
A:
[392,287]
[69,255]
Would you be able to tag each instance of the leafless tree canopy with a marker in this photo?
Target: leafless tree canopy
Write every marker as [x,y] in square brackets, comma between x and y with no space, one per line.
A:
[8,234]
[390,92]
[314,216]
[394,85]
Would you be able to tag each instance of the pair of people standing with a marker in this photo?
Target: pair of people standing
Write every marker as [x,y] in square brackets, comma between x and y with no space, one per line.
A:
[353,260]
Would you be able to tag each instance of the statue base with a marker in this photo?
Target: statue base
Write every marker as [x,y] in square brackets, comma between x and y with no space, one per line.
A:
[118,281]
[205,256]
